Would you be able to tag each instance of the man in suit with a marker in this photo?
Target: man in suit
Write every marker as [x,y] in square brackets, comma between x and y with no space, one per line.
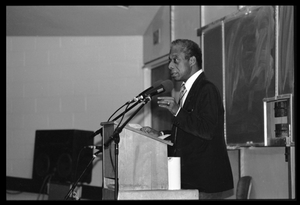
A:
[198,125]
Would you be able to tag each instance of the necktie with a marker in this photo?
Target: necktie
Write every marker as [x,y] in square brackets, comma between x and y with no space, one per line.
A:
[182,93]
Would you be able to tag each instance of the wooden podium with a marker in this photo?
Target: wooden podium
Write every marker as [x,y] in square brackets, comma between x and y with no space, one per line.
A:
[142,161]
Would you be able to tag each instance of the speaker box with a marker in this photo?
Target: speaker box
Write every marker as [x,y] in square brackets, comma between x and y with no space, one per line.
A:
[58,191]
[62,155]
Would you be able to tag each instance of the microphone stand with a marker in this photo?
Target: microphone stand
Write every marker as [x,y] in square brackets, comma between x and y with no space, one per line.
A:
[116,138]
[75,184]
[100,130]
[132,106]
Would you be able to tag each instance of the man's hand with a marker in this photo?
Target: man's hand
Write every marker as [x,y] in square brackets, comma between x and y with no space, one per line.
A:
[150,130]
[168,103]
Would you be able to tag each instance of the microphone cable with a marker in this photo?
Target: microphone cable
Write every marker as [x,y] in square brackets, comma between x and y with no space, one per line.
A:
[118,110]
[122,116]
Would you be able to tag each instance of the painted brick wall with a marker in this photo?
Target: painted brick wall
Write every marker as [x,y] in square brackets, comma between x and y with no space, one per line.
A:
[65,83]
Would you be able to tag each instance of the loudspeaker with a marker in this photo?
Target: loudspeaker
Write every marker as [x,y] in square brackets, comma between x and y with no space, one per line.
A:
[61,155]
[58,191]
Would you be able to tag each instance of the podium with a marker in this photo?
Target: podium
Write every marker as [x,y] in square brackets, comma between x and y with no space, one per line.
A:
[142,161]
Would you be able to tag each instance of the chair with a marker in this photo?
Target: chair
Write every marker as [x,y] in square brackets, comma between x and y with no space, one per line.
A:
[244,187]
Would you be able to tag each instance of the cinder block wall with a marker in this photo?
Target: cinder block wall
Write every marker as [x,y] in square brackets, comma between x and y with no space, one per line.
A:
[66,83]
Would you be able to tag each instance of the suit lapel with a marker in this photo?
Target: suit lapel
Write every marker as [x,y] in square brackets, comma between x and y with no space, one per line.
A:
[194,89]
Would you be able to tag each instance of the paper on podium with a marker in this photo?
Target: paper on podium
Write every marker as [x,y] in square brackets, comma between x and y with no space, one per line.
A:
[135,126]
[164,136]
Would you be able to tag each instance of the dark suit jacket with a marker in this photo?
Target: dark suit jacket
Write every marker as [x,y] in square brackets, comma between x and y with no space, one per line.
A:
[198,136]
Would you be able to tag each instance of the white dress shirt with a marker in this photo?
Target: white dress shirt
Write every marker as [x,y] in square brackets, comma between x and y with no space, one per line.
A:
[188,85]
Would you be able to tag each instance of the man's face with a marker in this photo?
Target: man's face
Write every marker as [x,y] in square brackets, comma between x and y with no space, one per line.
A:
[179,66]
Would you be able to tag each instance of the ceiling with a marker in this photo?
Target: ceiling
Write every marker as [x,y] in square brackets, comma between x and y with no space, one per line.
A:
[78,20]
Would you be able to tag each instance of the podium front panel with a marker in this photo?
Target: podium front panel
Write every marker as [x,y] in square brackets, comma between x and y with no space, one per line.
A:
[142,161]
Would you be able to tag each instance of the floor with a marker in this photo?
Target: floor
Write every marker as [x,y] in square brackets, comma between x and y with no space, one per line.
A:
[27,196]
[18,196]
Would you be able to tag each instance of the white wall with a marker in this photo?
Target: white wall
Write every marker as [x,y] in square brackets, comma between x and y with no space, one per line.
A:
[209,14]
[186,22]
[66,83]
[161,22]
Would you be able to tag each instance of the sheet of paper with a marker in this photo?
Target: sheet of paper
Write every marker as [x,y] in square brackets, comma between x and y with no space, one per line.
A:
[135,126]
[164,136]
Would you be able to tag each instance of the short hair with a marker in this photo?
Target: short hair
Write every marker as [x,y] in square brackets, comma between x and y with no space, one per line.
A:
[189,48]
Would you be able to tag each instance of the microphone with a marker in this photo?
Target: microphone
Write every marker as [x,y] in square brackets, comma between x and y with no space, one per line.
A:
[94,147]
[165,86]
[135,99]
